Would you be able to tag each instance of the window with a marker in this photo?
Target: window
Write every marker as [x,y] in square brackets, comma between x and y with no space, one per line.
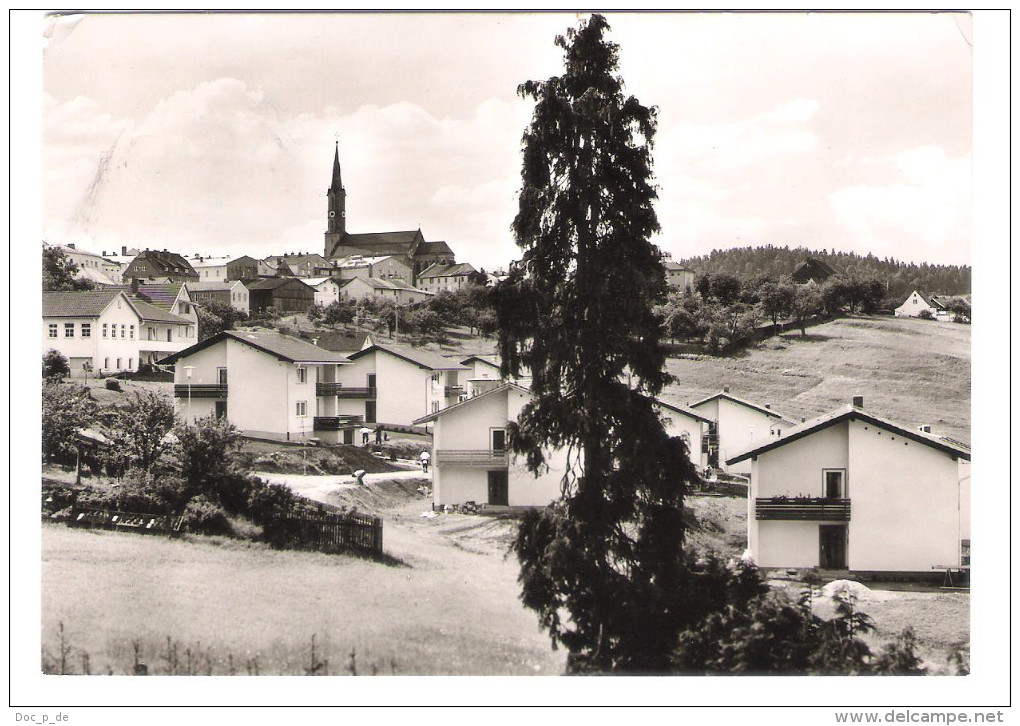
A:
[68,330]
[132,336]
[435,407]
[86,330]
[104,330]
[130,363]
[834,484]
[123,331]
[221,376]
[106,363]
[498,439]
[53,330]
[302,374]
[118,364]
[302,408]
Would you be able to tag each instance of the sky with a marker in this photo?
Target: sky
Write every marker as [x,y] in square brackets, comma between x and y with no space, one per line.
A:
[215,134]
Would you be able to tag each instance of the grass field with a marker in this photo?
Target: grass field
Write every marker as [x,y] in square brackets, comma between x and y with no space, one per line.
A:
[909,370]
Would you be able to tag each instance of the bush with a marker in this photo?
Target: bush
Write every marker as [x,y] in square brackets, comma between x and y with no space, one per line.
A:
[139,492]
[925,315]
[112,384]
[266,501]
[55,365]
[203,516]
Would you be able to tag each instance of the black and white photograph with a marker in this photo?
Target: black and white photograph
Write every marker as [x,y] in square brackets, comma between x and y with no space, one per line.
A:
[432,345]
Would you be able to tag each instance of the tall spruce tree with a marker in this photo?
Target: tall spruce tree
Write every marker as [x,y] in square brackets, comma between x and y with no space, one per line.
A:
[604,566]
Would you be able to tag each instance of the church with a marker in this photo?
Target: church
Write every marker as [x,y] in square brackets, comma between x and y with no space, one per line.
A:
[409,247]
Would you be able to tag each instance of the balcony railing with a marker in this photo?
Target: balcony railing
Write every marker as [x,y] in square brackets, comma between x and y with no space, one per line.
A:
[328,389]
[453,391]
[816,509]
[346,392]
[471,457]
[200,390]
[336,423]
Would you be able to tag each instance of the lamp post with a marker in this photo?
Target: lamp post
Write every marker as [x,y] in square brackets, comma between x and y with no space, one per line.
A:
[187,372]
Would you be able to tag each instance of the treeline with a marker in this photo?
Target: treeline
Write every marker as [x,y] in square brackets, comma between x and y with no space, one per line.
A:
[899,278]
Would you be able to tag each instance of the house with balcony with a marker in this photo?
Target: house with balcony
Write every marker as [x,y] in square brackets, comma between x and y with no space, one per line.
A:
[851,491]
[736,423]
[106,331]
[269,385]
[393,384]
[471,462]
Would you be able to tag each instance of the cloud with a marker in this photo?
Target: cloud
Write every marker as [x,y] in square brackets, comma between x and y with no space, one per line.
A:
[923,211]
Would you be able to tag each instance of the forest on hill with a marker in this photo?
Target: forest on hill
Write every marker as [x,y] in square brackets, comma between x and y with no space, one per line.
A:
[899,278]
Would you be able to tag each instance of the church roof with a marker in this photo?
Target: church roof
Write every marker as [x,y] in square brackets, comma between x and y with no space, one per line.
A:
[336,184]
[434,248]
[382,243]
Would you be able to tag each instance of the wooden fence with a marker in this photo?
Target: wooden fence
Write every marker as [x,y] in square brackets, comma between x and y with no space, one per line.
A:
[327,532]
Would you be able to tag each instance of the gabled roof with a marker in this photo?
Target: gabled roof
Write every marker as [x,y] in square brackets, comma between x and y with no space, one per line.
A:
[165,262]
[212,286]
[469,401]
[740,401]
[387,283]
[283,347]
[153,314]
[673,265]
[162,295]
[94,274]
[929,300]
[337,341]
[77,304]
[360,261]
[275,260]
[684,410]
[314,281]
[210,262]
[434,248]
[421,358]
[491,360]
[440,270]
[382,243]
[271,283]
[850,413]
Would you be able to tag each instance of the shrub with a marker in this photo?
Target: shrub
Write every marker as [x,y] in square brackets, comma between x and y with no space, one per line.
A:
[112,384]
[138,492]
[926,315]
[266,501]
[203,516]
[55,365]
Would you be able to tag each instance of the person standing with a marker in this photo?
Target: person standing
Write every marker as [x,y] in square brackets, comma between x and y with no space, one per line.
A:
[425,458]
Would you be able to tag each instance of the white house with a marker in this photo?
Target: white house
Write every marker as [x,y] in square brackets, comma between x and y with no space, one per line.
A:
[90,265]
[471,461]
[440,276]
[853,491]
[267,384]
[394,289]
[327,290]
[210,269]
[736,424]
[916,302]
[386,267]
[233,293]
[678,276]
[394,385]
[689,425]
[105,331]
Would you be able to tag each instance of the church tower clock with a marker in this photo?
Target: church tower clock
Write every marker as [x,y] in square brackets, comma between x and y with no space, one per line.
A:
[336,219]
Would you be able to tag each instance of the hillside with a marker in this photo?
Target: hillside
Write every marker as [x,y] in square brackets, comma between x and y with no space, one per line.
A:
[900,278]
[908,370]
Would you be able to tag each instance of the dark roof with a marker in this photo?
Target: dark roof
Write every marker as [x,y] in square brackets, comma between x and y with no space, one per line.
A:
[162,295]
[673,265]
[813,268]
[212,286]
[441,270]
[386,283]
[169,263]
[382,243]
[277,259]
[491,360]
[850,413]
[81,304]
[271,283]
[741,401]
[284,347]
[469,401]
[421,358]
[676,408]
[155,314]
[434,248]
[342,342]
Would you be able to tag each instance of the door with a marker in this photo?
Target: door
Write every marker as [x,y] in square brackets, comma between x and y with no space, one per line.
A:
[832,546]
[834,484]
[499,487]
[371,380]
[349,436]
[221,376]
[369,411]
[499,440]
[221,409]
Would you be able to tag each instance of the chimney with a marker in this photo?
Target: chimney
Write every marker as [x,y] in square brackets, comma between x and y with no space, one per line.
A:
[134,285]
[803,419]
[768,405]
[924,429]
[858,401]
[123,250]
[725,389]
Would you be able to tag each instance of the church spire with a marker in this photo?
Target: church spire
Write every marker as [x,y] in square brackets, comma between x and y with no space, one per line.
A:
[336,185]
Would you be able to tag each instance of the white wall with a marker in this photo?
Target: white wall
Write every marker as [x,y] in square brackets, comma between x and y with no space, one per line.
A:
[912,306]
[677,424]
[786,544]
[262,408]
[905,499]
[403,390]
[795,469]
[739,427]
[96,348]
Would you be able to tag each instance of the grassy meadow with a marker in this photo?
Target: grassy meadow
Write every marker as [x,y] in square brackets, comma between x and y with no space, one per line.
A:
[909,370]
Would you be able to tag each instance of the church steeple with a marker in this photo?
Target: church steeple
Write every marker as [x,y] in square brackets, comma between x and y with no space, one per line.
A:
[336,220]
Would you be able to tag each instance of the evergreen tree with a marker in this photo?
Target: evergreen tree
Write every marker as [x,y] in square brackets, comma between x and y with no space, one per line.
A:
[59,272]
[577,311]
